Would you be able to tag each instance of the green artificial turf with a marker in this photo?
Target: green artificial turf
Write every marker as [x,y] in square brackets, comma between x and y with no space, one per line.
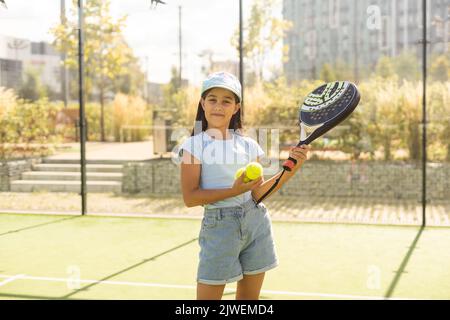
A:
[143,258]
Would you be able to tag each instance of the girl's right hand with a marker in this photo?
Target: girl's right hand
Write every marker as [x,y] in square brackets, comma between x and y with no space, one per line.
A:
[240,186]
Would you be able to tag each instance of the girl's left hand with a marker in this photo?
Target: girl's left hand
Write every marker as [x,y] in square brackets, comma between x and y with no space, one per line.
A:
[300,154]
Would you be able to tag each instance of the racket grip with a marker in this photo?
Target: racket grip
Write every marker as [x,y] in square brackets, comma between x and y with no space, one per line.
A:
[289,164]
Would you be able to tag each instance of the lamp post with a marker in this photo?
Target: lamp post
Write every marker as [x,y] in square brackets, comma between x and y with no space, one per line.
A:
[180,48]
[64,71]
[241,56]
[424,110]
[82,120]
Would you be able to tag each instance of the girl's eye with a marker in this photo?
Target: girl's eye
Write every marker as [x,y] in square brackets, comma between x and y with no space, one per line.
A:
[214,101]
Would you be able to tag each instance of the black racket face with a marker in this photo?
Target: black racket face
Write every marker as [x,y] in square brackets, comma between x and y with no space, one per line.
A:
[327,106]
[326,102]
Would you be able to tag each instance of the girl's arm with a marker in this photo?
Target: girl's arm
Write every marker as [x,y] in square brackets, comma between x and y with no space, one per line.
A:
[298,153]
[265,186]
[190,185]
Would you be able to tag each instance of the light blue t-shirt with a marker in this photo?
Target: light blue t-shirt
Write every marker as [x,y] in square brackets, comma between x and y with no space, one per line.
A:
[220,159]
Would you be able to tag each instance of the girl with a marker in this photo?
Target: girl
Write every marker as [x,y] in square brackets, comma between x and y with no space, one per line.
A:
[236,240]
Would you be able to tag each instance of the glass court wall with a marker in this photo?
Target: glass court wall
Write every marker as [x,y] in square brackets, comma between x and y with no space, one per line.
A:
[144,64]
[39,133]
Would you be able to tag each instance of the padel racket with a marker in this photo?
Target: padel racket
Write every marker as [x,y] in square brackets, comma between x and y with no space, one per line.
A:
[322,110]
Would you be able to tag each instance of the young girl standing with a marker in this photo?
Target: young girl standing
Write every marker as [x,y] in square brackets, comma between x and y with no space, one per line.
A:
[236,240]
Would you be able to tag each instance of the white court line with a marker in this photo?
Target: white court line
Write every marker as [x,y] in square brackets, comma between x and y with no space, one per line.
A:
[160,285]
[10,279]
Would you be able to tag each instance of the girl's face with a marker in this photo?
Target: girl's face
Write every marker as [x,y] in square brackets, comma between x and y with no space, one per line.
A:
[219,106]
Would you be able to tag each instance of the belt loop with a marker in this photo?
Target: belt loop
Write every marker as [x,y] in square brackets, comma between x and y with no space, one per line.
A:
[219,214]
[242,208]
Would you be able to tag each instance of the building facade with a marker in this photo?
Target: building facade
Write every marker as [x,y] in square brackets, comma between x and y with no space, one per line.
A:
[358,32]
[19,55]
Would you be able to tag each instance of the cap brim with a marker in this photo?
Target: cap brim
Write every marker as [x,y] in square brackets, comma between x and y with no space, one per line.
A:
[223,87]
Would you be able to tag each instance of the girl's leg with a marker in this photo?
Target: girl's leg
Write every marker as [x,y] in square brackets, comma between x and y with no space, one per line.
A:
[209,292]
[249,287]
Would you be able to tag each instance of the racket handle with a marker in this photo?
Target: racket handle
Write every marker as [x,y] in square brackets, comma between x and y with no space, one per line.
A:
[289,164]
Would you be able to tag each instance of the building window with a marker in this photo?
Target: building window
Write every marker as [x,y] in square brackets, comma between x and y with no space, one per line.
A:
[333,13]
[384,33]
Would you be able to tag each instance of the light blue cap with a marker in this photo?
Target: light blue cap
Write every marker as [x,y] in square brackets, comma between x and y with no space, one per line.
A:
[224,80]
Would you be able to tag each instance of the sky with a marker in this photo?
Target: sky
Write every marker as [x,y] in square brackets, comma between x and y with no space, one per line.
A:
[151,32]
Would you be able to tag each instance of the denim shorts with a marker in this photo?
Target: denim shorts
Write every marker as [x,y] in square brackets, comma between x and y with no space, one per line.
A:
[235,241]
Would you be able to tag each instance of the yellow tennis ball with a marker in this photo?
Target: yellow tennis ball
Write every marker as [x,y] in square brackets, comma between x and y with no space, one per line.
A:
[239,173]
[253,170]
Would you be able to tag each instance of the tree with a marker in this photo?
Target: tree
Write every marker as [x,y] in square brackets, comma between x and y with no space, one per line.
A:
[327,73]
[279,105]
[440,69]
[107,55]
[407,66]
[174,98]
[351,137]
[410,99]
[8,104]
[132,81]
[381,110]
[343,70]
[263,33]
[32,88]
[385,67]
[438,105]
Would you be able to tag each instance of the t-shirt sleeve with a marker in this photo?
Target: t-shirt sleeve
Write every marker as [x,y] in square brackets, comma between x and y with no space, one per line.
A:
[255,150]
[260,151]
[193,145]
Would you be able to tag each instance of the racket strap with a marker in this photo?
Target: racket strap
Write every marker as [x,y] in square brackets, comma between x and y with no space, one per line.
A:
[289,164]
[271,188]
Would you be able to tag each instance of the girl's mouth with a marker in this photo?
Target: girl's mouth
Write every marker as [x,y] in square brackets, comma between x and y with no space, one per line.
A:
[217,115]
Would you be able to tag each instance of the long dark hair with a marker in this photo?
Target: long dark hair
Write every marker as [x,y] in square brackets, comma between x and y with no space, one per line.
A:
[235,121]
